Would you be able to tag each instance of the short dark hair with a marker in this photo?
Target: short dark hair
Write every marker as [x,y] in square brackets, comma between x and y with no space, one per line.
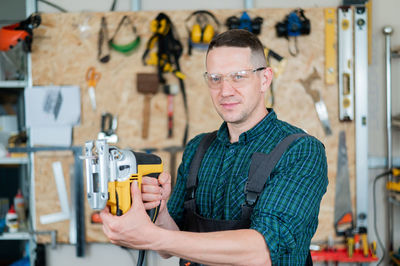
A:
[240,38]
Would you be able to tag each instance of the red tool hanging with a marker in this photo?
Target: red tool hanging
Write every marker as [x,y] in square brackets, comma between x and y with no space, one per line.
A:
[22,31]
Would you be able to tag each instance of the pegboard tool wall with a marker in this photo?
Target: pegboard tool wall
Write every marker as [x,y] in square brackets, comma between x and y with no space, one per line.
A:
[62,54]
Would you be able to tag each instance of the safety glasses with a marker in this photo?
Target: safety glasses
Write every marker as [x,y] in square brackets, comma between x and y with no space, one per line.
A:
[235,79]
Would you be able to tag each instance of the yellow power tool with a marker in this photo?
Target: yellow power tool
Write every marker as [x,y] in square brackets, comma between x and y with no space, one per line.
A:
[110,172]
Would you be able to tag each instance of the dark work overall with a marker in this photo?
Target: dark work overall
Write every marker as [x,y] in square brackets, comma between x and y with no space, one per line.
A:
[261,167]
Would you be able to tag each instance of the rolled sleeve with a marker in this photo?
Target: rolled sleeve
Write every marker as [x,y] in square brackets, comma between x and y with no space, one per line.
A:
[286,213]
[278,237]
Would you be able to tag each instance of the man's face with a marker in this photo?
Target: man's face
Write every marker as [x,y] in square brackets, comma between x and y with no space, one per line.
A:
[237,104]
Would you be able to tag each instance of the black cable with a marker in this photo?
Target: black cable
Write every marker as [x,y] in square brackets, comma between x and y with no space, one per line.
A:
[374,206]
[54,5]
[153,214]
[141,257]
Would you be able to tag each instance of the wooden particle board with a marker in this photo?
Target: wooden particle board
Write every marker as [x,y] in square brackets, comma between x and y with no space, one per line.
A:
[61,55]
[46,196]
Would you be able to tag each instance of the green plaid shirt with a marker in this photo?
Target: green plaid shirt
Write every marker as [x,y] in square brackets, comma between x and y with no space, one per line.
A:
[286,213]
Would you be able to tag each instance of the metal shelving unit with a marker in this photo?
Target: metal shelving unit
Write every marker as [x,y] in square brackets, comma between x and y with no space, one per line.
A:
[17,87]
[22,164]
[13,161]
[15,236]
[13,84]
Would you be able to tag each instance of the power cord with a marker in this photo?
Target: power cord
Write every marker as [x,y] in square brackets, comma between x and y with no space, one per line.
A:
[380,243]
[53,5]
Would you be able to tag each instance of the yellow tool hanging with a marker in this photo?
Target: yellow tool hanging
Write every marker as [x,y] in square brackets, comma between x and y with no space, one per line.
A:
[330,46]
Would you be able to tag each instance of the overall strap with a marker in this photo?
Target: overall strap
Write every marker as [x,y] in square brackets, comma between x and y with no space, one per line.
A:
[261,168]
[191,182]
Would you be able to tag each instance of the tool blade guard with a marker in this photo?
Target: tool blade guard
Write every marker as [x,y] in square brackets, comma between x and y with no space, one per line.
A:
[110,172]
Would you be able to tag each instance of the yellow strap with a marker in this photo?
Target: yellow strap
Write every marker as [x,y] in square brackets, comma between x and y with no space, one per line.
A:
[179,74]
[167,67]
[153,59]
[152,43]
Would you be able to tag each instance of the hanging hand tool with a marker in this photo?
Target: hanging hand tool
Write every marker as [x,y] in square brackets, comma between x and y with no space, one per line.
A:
[92,77]
[147,83]
[343,217]
[277,70]
[320,106]
[166,58]
[244,22]
[173,150]
[201,26]
[330,46]
[346,63]
[103,52]
[127,48]
[295,24]
[361,76]
[170,91]
[108,126]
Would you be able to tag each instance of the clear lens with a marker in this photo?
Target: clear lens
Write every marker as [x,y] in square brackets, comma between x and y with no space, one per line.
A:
[239,78]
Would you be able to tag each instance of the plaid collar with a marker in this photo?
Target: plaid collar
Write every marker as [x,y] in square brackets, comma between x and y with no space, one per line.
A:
[263,126]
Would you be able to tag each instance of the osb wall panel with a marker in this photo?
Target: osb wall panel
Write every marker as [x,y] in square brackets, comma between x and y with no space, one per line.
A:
[46,195]
[62,54]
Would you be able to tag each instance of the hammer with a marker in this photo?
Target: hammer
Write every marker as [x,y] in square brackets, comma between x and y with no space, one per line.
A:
[146,83]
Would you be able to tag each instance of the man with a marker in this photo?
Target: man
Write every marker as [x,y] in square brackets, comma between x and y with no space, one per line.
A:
[281,219]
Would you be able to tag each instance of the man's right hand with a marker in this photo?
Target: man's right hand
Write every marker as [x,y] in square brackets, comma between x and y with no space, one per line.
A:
[155,190]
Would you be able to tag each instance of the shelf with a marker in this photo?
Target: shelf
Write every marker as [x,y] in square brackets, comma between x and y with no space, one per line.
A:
[340,255]
[17,160]
[13,84]
[15,236]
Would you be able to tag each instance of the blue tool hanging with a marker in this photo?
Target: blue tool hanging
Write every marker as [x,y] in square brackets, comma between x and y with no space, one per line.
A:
[295,24]
[245,23]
